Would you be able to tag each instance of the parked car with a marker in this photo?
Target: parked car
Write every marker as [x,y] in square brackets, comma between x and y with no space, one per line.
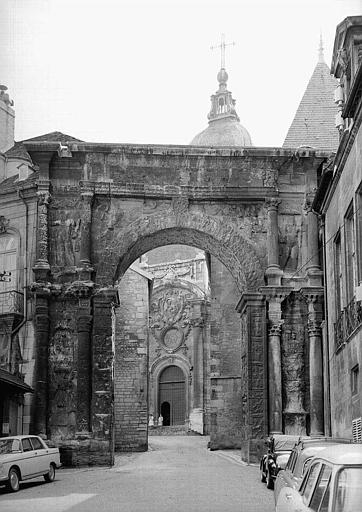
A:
[299,459]
[25,457]
[332,483]
[279,448]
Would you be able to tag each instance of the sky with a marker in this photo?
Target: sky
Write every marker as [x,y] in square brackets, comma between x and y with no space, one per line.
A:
[138,71]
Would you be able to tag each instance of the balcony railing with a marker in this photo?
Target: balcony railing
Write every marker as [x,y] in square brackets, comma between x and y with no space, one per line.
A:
[349,320]
[11,301]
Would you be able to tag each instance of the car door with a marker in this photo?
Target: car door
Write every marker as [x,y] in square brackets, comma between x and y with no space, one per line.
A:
[40,456]
[293,500]
[26,462]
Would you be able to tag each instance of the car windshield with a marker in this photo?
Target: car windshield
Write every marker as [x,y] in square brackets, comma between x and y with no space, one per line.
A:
[282,459]
[349,490]
[9,445]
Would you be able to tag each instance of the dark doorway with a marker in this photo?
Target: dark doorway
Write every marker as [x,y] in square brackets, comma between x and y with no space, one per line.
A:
[172,395]
[165,413]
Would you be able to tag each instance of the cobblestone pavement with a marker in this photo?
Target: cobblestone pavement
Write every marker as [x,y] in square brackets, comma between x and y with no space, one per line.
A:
[176,474]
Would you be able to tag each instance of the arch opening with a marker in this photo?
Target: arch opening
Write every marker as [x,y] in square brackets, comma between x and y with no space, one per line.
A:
[176,327]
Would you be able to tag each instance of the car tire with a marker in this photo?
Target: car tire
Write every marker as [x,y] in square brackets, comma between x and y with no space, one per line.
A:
[269,481]
[50,476]
[13,483]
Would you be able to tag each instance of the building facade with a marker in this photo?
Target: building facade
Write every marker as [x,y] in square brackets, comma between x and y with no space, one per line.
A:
[339,202]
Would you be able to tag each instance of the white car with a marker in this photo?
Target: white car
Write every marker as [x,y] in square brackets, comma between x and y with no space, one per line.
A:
[25,457]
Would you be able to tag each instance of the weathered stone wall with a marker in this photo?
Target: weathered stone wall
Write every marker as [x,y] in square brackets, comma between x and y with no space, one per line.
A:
[225,357]
[346,353]
[131,364]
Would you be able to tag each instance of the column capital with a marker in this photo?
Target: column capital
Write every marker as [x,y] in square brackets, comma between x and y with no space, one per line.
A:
[275,293]
[312,294]
[275,329]
[87,196]
[107,295]
[272,203]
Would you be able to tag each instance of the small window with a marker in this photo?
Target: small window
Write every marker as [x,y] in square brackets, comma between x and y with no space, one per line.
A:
[338,277]
[354,380]
[319,501]
[309,481]
[27,447]
[350,251]
[36,444]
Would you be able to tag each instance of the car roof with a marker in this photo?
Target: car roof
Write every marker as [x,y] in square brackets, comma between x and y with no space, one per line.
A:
[18,437]
[342,454]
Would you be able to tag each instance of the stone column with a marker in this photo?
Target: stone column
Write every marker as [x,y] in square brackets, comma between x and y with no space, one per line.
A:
[275,380]
[273,272]
[85,246]
[42,294]
[42,267]
[315,314]
[275,297]
[104,302]
[198,322]
[41,291]
[313,270]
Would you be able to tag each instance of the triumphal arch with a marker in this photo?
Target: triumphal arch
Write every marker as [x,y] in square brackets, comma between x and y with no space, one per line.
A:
[101,207]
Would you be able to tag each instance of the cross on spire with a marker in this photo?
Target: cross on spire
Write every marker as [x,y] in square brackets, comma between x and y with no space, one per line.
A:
[222,47]
[321,49]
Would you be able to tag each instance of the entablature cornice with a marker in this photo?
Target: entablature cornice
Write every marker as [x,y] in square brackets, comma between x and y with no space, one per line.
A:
[141,190]
[276,153]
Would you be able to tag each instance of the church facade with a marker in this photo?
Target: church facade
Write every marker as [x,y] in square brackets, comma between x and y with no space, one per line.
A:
[110,342]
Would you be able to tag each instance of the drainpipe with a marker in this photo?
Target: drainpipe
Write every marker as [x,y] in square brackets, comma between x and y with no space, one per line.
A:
[327,381]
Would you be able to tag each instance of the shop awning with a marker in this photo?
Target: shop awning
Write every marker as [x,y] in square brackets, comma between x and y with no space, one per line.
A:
[14,382]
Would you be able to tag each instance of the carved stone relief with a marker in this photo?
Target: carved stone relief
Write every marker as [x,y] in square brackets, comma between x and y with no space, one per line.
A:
[62,368]
[170,320]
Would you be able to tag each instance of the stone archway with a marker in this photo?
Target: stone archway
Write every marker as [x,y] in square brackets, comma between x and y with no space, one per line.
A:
[216,235]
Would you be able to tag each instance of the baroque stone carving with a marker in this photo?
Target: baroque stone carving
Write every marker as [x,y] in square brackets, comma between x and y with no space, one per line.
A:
[170,321]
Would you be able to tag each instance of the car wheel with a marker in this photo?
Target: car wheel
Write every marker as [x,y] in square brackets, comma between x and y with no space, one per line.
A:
[269,481]
[14,480]
[50,476]
[262,476]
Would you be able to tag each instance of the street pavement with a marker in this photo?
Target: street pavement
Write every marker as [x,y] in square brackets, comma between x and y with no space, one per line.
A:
[177,474]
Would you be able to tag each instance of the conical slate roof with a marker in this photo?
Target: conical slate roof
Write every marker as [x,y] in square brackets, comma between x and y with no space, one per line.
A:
[314,121]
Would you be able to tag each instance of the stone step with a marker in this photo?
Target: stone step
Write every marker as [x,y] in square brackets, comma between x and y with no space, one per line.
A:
[173,430]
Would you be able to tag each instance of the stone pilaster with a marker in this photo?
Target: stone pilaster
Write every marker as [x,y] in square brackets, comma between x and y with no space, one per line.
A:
[314,299]
[198,324]
[84,327]
[254,420]
[85,247]
[273,272]
[104,302]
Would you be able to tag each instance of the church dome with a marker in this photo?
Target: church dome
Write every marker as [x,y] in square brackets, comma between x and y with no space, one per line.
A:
[223,132]
[224,124]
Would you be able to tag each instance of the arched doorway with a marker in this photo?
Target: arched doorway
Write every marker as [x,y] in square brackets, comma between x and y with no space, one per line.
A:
[172,396]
